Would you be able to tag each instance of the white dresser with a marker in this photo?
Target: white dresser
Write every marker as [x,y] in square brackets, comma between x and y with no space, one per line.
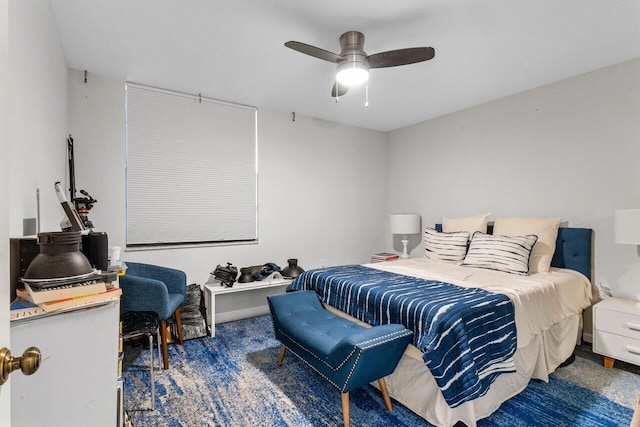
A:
[76,384]
[616,331]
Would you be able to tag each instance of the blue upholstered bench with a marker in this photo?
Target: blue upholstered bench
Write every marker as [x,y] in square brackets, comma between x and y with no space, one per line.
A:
[347,355]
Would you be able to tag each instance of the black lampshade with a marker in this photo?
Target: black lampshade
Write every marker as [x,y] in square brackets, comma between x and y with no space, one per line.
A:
[59,257]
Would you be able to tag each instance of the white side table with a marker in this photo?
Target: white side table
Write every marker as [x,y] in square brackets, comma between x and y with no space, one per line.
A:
[214,288]
[616,331]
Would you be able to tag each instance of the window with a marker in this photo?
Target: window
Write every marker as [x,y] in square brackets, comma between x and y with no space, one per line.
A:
[191,169]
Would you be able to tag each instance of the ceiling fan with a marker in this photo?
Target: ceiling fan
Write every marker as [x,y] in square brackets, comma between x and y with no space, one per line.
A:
[354,63]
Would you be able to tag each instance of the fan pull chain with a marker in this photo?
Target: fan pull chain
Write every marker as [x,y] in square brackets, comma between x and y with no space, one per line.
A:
[337,91]
[366,94]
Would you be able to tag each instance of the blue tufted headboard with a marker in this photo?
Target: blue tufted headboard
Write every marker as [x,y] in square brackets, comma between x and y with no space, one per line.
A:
[573,249]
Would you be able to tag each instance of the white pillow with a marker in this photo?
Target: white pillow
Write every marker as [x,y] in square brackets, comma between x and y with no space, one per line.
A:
[545,228]
[445,247]
[502,253]
[465,223]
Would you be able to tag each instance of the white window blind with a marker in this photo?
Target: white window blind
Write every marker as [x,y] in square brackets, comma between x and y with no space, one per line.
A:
[191,169]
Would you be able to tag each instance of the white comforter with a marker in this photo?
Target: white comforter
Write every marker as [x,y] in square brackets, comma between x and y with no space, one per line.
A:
[548,309]
[540,300]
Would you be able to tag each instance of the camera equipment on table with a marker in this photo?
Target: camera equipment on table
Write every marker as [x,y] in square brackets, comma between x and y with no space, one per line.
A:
[227,275]
[82,204]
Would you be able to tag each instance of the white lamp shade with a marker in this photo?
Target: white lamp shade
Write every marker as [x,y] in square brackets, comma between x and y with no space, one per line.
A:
[352,73]
[626,226]
[405,223]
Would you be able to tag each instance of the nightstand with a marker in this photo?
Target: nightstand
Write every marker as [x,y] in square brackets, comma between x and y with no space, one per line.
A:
[616,331]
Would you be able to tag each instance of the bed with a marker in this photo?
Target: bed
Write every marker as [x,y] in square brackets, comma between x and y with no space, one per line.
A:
[545,309]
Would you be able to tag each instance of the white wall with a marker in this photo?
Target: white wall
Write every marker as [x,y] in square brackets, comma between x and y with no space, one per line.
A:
[322,186]
[33,122]
[569,149]
[37,114]
[97,124]
[37,119]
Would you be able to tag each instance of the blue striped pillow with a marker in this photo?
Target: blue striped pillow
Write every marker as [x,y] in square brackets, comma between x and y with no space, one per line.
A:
[445,247]
[503,253]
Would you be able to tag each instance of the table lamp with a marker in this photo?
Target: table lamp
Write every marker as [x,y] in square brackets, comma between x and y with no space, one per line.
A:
[626,229]
[405,224]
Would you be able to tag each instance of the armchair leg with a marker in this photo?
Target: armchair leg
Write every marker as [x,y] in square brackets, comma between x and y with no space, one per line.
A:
[281,357]
[385,394]
[165,352]
[179,324]
[345,409]
[164,338]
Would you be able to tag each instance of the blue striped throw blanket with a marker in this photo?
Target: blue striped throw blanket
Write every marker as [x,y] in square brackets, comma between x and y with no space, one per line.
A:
[467,335]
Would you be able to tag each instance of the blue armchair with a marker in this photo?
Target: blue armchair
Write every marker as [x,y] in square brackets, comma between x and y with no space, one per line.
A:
[147,287]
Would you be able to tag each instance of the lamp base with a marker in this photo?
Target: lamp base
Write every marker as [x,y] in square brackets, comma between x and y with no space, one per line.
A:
[405,254]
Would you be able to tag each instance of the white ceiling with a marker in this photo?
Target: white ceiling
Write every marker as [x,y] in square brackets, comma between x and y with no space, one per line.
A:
[233,50]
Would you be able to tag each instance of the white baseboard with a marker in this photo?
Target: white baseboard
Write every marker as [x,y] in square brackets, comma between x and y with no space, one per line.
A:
[245,313]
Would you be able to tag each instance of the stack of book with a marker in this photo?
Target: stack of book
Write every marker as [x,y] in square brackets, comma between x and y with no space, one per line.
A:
[384,256]
[42,296]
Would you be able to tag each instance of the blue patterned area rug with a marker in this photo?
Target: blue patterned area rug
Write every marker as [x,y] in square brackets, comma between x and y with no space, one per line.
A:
[232,380]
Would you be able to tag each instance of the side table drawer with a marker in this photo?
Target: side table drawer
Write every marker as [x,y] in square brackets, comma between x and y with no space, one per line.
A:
[617,323]
[618,347]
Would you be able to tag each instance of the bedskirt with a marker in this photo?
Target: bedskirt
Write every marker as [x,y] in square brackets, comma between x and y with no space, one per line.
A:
[412,384]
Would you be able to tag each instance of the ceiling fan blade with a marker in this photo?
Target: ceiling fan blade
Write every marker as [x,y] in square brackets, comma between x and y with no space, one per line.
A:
[342,89]
[393,58]
[314,51]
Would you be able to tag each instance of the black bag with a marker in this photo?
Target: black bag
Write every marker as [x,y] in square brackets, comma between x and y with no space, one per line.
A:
[192,312]
[266,270]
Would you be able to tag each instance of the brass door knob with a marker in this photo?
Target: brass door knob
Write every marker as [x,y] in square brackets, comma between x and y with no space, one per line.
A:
[28,363]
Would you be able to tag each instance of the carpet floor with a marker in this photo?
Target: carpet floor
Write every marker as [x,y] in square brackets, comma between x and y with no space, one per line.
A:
[232,380]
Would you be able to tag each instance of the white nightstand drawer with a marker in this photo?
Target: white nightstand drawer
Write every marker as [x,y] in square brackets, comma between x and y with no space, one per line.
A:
[618,347]
[616,322]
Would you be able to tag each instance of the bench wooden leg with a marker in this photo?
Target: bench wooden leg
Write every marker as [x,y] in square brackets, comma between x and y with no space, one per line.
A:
[385,394]
[345,409]
[281,357]
[165,352]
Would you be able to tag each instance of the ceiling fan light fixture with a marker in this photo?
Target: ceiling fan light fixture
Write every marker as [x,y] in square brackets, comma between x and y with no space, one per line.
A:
[353,63]
[352,73]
